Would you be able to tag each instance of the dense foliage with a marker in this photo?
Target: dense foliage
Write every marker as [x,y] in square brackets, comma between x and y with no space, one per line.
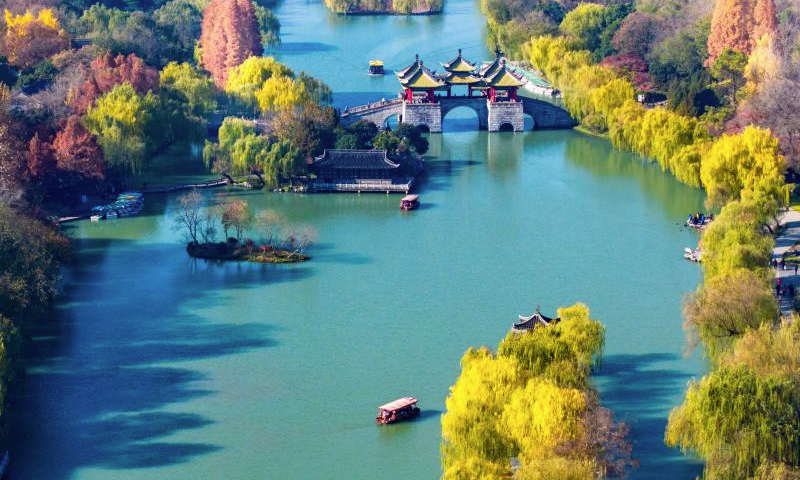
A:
[403,7]
[531,400]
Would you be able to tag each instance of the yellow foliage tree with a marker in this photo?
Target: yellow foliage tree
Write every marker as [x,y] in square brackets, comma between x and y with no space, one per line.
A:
[541,416]
[249,77]
[745,162]
[281,93]
[30,38]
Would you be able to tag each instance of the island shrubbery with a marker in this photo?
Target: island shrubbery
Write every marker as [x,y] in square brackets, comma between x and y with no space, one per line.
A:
[532,400]
[372,7]
[200,224]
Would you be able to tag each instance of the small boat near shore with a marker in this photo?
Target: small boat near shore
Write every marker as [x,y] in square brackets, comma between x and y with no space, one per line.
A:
[409,202]
[127,204]
[404,408]
[693,255]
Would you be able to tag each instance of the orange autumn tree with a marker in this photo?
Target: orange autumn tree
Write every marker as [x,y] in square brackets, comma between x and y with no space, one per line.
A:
[30,38]
[740,25]
[229,36]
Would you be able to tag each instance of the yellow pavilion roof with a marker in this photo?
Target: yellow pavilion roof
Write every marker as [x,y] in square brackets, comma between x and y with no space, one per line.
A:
[461,79]
[502,77]
[459,65]
[422,78]
[409,70]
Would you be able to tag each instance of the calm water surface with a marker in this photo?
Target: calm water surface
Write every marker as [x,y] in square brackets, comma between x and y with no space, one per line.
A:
[160,367]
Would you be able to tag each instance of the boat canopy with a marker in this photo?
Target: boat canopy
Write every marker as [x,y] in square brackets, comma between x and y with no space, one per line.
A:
[410,198]
[398,404]
[375,63]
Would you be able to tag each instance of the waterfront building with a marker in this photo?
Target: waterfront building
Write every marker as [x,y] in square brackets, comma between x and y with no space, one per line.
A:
[364,171]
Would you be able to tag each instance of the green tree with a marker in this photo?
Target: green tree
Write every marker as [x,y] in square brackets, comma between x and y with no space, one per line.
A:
[119,120]
[736,421]
[726,306]
[189,85]
[729,72]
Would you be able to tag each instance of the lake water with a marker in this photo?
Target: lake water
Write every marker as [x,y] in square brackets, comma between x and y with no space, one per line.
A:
[156,366]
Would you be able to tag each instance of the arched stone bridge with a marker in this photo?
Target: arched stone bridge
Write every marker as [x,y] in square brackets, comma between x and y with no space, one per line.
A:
[492,116]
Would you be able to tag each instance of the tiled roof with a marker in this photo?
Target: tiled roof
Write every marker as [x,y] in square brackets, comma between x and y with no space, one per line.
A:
[355,159]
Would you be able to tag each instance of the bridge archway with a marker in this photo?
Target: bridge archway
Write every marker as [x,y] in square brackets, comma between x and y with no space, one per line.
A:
[528,123]
[390,121]
[462,118]
[505,127]
[424,127]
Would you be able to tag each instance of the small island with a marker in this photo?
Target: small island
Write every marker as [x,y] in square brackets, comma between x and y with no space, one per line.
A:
[385,7]
[279,242]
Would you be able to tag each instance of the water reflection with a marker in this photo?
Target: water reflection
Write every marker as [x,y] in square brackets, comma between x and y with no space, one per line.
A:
[600,158]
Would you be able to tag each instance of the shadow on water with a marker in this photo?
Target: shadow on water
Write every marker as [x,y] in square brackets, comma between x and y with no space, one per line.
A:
[627,377]
[439,174]
[101,373]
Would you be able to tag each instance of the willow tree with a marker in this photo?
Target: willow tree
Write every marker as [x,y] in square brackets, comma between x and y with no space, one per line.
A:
[738,421]
[727,306]
[736,240]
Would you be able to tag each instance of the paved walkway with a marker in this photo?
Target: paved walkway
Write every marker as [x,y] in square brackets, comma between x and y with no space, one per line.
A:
[789,235]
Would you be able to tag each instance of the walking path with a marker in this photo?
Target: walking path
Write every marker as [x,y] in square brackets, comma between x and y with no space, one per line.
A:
[789,235]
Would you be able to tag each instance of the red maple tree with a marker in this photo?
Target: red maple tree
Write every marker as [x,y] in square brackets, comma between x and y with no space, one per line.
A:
[739,25]
[107,71]
[76,151]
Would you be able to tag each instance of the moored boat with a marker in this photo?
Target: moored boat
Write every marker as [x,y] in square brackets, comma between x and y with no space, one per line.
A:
[404,408]
[409,202]
[376,67]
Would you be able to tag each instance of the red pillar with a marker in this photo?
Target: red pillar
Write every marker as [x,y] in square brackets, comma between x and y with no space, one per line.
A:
[431,97]
[514,94]
[491,94]
[409,95]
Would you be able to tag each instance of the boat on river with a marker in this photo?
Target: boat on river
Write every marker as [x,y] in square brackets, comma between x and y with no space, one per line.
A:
[404,408]
[376,67]
[409,202]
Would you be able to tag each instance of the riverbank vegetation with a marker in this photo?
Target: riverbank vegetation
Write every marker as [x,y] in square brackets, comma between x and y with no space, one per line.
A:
[531,400]
[726,76]
[200,224]
[383,7]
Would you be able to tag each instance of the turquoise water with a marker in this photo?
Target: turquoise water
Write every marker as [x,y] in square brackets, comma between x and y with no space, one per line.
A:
[157,366]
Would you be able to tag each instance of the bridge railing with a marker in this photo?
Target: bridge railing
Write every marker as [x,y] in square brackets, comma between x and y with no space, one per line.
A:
[372,106]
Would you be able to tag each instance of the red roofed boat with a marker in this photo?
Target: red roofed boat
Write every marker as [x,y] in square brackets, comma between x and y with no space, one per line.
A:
[401,409]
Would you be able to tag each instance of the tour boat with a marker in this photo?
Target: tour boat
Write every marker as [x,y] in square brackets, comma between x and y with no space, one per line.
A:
[376,67]
[126,205]
[401,409]
[409,202]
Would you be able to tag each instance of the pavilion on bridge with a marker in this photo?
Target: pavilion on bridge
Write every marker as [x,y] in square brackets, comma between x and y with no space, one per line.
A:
[492,80]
